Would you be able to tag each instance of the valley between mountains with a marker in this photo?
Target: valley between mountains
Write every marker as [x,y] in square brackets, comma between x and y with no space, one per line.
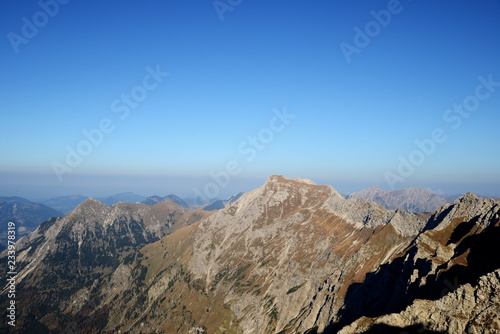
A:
[288,257]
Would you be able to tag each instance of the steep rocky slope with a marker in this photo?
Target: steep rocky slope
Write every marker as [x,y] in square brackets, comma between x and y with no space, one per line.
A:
[66,261]
[279,258]
[468,309]
[429,284]
[288,257]
[294,247]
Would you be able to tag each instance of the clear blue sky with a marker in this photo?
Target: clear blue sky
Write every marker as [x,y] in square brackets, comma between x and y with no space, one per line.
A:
[353,120]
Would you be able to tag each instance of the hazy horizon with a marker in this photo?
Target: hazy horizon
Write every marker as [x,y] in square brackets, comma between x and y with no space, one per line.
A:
[181,186]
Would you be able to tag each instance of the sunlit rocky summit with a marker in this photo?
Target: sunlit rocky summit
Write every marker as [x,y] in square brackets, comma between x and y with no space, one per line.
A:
[288,257]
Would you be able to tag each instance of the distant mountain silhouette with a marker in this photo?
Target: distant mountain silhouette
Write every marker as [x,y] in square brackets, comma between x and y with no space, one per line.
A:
[65,204]
[127,197]
[412,200]
[26,214]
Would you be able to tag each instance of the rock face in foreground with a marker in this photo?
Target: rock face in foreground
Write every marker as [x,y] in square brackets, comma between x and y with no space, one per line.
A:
[447,280]
[468,309]
[288,257]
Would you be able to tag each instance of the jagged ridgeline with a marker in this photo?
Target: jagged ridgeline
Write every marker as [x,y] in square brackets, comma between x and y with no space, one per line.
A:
[288,257]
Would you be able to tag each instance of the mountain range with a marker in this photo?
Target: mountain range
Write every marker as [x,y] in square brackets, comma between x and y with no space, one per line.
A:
[26,214]
[413,199]
[288,257]
[173,198]
[66,204]
[190,203]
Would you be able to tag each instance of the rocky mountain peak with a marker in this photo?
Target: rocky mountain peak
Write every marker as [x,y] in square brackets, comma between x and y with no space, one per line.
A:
[372,192]
[92,202]
[303,185]
[280,193]
[375,189]
[280,179]
[358,211]
[369,193]
[467,207]
[468,198]
[91,208]
[405,223]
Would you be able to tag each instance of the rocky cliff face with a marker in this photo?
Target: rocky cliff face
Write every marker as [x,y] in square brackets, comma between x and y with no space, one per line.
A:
[282,255]
[453,258]
[288,257]
[468,309]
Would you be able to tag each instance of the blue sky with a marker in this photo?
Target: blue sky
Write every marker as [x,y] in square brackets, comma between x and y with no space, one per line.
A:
[353,120]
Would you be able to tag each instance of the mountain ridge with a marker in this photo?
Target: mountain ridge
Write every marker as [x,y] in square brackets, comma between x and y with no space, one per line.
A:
[290,256]
[413,199]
